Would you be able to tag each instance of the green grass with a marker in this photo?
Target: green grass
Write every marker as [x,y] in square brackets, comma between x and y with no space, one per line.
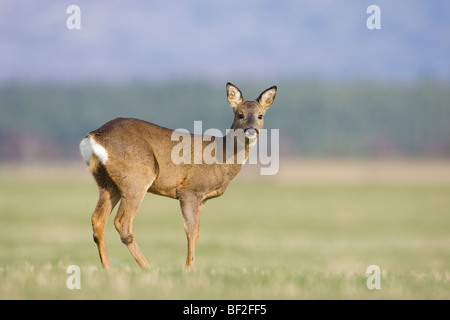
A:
[257,241]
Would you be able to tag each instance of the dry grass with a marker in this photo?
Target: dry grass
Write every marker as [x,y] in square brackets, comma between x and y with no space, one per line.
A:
[309,233]
[398,171]
[325,171]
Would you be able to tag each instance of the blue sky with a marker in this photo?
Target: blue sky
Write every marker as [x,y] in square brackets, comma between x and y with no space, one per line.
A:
[223,40]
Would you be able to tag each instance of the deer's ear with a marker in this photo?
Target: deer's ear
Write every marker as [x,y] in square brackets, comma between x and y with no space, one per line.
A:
[234,95]
[266,98]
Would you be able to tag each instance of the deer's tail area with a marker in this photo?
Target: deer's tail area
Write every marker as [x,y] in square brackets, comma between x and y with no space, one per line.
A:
[94,154]
[94,164]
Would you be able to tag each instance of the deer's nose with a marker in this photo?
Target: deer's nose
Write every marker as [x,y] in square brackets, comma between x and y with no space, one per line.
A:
[251,133]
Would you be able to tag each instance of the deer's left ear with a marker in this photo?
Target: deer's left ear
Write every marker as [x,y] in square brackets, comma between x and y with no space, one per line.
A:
[266,98]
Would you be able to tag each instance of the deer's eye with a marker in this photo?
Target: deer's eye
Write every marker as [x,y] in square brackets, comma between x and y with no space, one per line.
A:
[241,116]
[260,116]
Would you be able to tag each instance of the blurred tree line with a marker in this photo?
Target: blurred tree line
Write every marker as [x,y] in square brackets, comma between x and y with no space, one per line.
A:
[315,118]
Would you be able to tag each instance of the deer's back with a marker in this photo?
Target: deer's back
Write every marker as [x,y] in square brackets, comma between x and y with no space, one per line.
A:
[135,145]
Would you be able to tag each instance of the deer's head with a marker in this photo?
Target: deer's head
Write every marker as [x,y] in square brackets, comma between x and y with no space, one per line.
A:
[249,115]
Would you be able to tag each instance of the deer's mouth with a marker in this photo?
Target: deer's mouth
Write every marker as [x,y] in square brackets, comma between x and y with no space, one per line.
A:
[251,133]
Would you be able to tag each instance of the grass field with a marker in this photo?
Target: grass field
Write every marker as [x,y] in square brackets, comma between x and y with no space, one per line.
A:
[270,239]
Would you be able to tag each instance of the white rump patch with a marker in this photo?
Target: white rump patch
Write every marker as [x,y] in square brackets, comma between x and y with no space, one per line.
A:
[88,146]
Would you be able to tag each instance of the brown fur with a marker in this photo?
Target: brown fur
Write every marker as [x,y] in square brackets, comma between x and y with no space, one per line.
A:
[139,161]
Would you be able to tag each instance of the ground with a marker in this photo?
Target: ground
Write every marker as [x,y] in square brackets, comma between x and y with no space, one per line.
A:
[303,234]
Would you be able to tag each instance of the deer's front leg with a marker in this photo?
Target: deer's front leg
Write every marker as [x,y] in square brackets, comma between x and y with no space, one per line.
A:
[191,208]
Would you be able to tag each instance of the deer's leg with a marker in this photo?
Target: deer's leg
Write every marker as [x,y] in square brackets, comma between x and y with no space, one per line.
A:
[191,209]
[123,222]
[108,198]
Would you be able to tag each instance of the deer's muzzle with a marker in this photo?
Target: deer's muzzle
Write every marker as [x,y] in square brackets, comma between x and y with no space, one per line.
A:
[251,133]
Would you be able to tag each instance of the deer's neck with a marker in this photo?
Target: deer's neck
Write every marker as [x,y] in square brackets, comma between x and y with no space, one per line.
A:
[235,151]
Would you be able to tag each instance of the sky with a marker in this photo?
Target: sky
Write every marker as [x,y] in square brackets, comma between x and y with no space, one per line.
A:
[224,40]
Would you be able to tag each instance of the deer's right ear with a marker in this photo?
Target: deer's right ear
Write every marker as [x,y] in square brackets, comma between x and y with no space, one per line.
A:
[234,95]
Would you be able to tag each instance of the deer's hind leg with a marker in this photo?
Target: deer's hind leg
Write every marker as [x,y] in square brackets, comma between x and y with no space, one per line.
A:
[132,177]
[109,195]
[132,194]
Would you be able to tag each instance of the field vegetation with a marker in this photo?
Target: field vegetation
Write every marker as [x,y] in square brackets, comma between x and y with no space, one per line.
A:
[273,239]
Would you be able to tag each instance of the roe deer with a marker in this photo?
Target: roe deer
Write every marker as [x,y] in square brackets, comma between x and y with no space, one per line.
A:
[130,157]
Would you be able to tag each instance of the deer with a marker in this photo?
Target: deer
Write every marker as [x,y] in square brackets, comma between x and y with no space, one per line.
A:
[129,158]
